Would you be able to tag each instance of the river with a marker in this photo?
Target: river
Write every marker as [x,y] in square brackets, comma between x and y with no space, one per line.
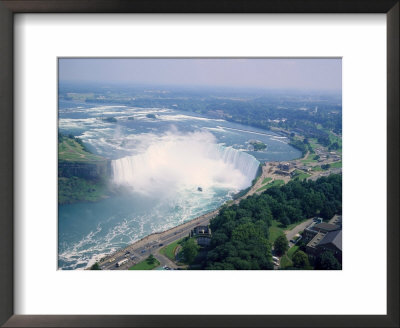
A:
[175,167]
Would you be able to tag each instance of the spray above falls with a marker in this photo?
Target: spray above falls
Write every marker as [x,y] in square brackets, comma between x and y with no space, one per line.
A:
[185,161]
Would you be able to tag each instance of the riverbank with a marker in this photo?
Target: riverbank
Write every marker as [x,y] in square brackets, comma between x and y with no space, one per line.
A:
[272,173]
[82,175]
[151,244]
[141,249]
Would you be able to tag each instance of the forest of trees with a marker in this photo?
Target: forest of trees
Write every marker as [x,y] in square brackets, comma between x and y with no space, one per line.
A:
[240,237]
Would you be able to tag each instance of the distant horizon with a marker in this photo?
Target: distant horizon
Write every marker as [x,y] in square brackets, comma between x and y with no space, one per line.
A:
[106,84]
[319,75]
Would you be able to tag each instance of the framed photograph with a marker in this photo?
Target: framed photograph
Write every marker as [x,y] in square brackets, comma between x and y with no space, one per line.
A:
[199,165]
[157,163]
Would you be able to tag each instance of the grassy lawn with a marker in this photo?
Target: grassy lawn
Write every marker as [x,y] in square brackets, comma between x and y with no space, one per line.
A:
[301,175]
[275,230]
[169,250]
[285,262]
[262,188]
[316,168]
[70,150]
[276,183]
[145,265]
[266,180]
[291,251]
[310,159]
[336,165]
[272,184]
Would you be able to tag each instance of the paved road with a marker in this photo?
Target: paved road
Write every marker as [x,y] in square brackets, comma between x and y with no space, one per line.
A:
[164,261]
[152,244]
[291,233]
[320,174]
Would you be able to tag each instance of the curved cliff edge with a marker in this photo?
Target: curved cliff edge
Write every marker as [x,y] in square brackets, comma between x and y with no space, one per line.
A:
[82,175]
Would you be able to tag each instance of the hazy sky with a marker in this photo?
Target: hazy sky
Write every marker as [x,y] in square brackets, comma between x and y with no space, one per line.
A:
[316,74]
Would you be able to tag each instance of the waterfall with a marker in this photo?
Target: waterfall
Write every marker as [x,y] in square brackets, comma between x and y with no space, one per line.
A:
[170,165]
[242,161]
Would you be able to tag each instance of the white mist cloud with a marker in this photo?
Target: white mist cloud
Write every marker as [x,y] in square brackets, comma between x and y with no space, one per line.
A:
[175,161]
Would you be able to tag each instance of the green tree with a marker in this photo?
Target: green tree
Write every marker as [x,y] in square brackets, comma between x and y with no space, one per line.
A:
[240,231]
[327,261]
[300,260]
[281,245]
[95,266]
[334,146]
[325,166]
[328,210]
[190,250]
[151,259]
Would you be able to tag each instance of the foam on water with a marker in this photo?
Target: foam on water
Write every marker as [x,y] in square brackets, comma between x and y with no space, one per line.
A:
[162,162]
[117,231]
[187,161]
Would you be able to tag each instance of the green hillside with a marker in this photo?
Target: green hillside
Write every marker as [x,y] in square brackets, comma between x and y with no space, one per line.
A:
[82,176]
[72,149]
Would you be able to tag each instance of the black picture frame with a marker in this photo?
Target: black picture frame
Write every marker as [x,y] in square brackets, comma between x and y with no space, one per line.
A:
[10,7]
